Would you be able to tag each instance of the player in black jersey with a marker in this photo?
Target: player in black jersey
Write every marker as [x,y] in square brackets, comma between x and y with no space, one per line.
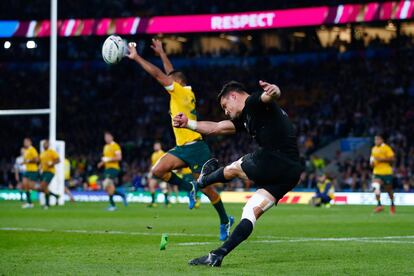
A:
[274,167]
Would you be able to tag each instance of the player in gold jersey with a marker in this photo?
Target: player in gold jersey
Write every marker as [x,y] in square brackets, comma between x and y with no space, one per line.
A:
[382,157]
[31,176]
[48,159]
[152,181]
[112,155]
[190,151]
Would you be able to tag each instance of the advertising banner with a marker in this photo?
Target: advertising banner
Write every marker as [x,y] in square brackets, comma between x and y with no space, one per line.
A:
[298,17]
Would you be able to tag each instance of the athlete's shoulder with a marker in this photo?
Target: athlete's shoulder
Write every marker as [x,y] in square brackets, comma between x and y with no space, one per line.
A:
[388,147]
[33,150]
[178,88]
[54,153]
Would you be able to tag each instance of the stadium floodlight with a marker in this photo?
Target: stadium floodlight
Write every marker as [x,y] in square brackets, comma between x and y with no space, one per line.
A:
[31,44]
[7,44]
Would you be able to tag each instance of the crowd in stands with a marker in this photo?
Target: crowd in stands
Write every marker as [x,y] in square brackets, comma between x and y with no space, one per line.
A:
[326,99]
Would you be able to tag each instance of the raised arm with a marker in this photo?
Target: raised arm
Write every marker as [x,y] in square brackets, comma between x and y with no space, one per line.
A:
[271,92]
[157,47]
[205,127]
[153,70]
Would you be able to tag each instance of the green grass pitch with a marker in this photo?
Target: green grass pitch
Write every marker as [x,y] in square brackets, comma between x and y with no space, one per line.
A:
[83,239]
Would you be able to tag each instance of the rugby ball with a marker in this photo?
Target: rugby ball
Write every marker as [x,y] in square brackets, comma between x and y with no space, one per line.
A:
[114,49]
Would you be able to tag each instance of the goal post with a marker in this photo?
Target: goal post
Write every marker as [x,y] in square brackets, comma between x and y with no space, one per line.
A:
[57,184]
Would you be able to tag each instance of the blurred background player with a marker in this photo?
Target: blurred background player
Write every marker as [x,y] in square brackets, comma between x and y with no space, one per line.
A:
[48,159]
[382,157]
[152,180]
[31,176]
[191,151]
[112,155]
[67,179]
[19,170]
[325,192]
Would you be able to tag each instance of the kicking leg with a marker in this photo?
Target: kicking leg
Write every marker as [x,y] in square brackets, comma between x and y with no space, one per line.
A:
[211,174]
[259,203]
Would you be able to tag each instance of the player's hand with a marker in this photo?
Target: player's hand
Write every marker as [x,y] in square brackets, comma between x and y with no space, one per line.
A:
[132,50]
[157,46]
[271,90]
[105,159]
[100,165]
[180,120]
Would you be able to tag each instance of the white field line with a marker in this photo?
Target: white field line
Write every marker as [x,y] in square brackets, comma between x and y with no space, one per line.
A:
[265,239]
[301,240]
[102,232]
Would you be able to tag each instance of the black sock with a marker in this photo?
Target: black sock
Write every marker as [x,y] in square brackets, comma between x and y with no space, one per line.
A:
[152,197]
[224,219]
[379,203]
[47,196]
[111,200]
[175,180]
[166,199]
[121,194]
[21,195]
[240,233]
[392,202]
[28,197]
[215,177]
[53,194]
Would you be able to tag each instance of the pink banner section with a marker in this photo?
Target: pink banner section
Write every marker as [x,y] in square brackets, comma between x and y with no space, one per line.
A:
[314,16]
[79,27]
[349,13]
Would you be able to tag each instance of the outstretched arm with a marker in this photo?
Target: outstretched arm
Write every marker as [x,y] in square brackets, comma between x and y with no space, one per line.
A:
[205,127]
[271,92]
[153,70]
[157,47]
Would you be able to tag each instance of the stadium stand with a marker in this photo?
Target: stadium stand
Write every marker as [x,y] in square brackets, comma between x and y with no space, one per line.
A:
[359,92]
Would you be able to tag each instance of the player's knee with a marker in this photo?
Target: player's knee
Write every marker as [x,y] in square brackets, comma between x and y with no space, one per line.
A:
[158,172]
[256,206]
[164,187]
[376,187]
[108,183]
[231,171]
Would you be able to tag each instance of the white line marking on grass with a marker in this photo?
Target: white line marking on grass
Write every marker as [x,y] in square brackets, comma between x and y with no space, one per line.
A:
[104,232]
[265,239]
[307,240]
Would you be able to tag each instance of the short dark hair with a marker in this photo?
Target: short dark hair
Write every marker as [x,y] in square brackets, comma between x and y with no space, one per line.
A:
[231,86]
[178,74]
[382,135]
